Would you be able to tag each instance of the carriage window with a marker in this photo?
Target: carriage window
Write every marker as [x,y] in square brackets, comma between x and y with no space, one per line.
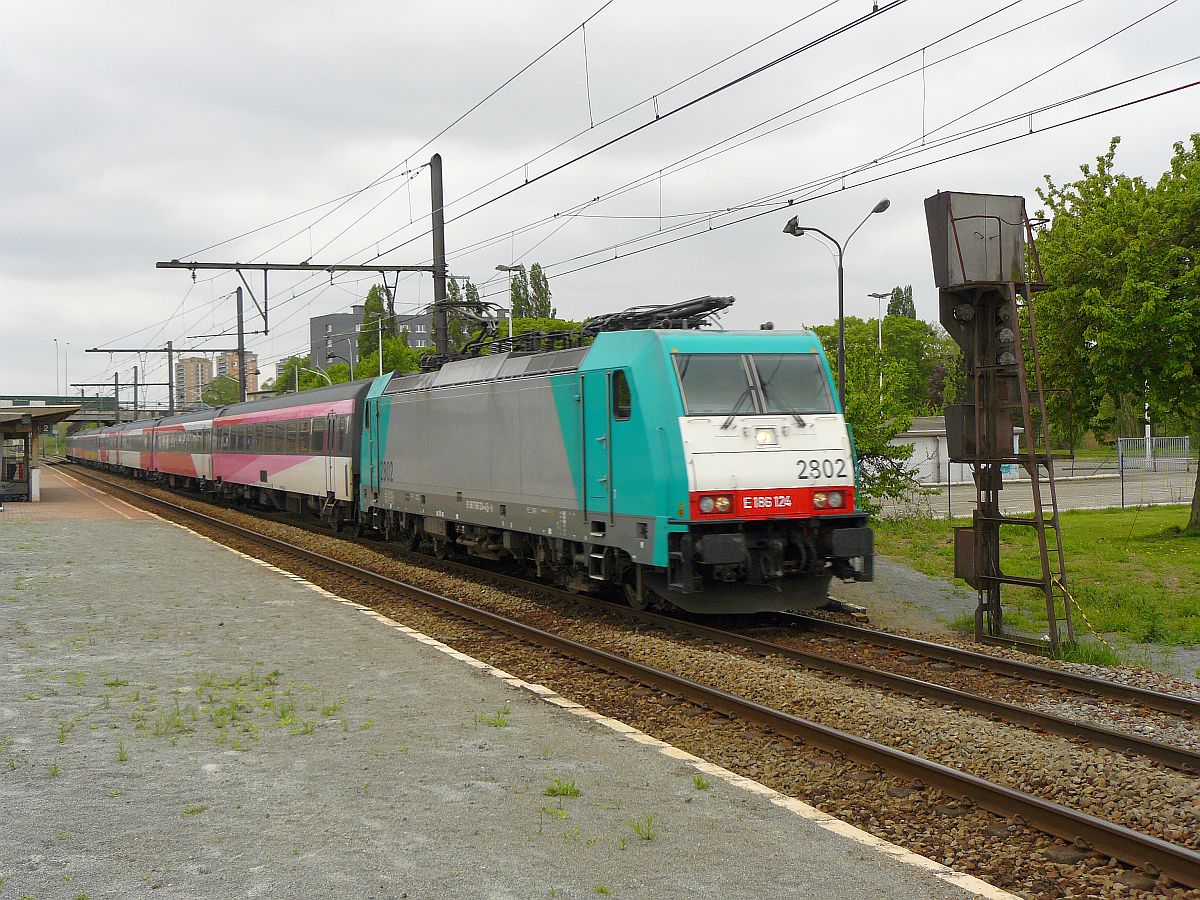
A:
[293,436]
[793,383]
[318,436]
[305,441]
[622,399]
[715,384]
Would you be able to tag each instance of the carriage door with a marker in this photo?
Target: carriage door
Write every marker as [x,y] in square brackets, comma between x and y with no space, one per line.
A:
[374,441]
[332,451]
[597,452]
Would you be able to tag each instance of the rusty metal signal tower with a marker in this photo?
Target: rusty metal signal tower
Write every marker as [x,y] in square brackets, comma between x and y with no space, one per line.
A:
[986,269]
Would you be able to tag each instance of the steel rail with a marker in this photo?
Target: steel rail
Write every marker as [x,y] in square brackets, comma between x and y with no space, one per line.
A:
[1165,754]
[1163,702]
[1152,854]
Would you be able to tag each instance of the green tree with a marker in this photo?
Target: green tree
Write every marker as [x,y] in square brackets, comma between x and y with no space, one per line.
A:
[397,357]
[221,391]
[377,306]
[877,415]
[1123,317]
[901,303]
[295,375]
[539,295]
[518,294]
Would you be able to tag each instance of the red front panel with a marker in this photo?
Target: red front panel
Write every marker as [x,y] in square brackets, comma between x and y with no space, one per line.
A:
[780,503]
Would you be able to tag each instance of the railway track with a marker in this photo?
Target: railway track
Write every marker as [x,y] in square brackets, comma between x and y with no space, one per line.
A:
[1153,855]
[1058,678]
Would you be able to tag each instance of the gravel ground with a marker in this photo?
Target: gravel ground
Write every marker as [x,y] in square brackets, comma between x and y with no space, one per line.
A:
[904,600]
[1137,720]
[194,736]
[1092,779]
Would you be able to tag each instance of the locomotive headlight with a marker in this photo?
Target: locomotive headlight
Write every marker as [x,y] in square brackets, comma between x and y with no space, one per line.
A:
[722,504]
[706,504]
[765,437]
[820,500]
[836,499]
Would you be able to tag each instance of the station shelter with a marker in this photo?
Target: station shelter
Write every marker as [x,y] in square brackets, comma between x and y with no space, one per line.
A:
[21,428]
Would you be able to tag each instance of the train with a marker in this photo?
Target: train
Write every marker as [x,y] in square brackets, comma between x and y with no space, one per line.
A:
[681,468]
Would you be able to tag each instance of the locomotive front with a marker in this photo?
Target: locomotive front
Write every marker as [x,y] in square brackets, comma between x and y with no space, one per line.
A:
[771,512]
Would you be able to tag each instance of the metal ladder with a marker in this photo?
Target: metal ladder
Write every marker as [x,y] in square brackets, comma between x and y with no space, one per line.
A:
[1035,458]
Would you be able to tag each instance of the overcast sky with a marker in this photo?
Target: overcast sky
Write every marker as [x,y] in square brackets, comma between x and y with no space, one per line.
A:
[138,132]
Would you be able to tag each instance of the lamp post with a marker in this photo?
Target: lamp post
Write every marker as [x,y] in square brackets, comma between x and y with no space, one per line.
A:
[794,228]
[331,355]
[879,320]
[519,267]
[314,372]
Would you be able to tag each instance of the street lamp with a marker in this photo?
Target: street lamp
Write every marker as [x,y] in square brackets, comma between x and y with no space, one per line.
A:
[315,372]
[879,320]
[510,269]
[331,355]
[794,228]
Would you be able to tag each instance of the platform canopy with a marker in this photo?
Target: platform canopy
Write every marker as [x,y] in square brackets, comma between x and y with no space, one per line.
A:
[17,420]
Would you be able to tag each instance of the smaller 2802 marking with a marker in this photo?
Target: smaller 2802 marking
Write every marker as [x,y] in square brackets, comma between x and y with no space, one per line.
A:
[821,468]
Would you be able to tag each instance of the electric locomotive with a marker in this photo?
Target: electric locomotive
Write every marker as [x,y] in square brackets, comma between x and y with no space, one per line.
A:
[707,470]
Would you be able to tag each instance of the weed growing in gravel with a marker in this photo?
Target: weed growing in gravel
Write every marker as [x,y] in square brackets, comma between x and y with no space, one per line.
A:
[194,809]
[116,682]
[497,720]
[331,708]
[556,811]
[369,723]
[122,756]
[621,844]
[560,788]
[305,727]
[54,771]
[76,679]
[645,828]
[113,795]
[701,783]
[601,889]
[63,730]
[1089,652]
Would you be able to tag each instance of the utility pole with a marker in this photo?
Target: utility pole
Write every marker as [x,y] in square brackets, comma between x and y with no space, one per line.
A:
[135,393]
[170,351]
[441,318]
[117,397]
[437,270]
[241,348]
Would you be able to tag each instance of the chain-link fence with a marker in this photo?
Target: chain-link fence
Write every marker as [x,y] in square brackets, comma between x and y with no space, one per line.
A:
[1126,477]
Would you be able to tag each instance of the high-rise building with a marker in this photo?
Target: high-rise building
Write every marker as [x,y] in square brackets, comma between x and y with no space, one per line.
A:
[192,373]
[227,365]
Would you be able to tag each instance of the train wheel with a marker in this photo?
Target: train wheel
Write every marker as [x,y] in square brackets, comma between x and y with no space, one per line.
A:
[631,596]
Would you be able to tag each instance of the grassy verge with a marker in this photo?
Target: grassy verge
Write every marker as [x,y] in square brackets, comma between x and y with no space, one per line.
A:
[1132,570]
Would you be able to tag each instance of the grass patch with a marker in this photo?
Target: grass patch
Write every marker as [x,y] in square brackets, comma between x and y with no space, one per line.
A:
[701,783]
[645,828]
[499,719]
[560,788]
[1090,652]
[194,809]
[1132,571]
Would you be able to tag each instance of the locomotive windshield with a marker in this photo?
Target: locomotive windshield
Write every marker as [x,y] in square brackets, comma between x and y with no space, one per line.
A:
[752,384]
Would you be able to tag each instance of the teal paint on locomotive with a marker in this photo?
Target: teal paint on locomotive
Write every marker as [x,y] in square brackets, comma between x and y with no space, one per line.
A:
[579,455]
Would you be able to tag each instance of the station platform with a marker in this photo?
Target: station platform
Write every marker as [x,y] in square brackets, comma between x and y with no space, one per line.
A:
[179,720]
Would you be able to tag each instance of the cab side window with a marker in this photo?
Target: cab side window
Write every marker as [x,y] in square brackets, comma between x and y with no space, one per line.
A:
[622,399]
